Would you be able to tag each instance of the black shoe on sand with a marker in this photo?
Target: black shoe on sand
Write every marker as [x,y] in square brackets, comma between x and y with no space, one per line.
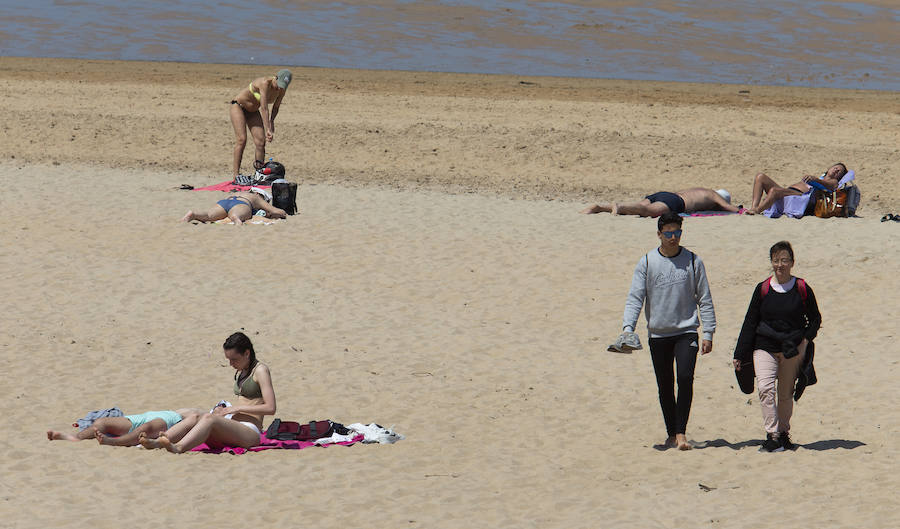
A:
[771,444]
[785,439]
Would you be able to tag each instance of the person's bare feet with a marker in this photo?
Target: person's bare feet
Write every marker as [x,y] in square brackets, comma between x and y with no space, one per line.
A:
[189,216]
[667,444]
[104,439]
[681,441]
[148,443]
[614,209]
[53,435]
[168,445]
[591,210]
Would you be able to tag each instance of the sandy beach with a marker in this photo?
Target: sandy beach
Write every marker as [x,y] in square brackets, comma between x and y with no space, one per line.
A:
[439,279]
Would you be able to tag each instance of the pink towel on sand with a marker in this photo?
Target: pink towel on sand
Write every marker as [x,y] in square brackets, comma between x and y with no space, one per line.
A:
[269,444]
[228,187]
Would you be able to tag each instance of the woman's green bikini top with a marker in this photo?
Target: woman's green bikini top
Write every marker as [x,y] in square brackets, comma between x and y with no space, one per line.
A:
[247,387]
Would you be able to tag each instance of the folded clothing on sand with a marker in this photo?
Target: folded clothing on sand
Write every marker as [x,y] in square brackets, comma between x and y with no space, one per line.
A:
[88,420]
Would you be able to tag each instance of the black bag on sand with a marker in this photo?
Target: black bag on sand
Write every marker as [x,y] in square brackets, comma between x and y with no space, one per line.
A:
[284,196]
[295,431]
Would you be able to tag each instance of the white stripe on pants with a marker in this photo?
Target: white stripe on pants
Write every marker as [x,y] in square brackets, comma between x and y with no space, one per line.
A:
[771,368]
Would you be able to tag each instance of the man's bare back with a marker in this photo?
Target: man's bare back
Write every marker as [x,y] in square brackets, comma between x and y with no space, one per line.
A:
[704,199]
[695,199]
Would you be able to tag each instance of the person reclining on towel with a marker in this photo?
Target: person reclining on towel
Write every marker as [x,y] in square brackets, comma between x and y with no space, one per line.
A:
[238,207]
[686,201]
[763,185]
[125,431]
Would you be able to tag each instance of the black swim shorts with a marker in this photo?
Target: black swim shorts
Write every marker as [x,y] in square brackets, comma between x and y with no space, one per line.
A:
[675,202]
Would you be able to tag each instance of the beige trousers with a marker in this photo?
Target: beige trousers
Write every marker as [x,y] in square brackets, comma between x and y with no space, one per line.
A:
[776,374]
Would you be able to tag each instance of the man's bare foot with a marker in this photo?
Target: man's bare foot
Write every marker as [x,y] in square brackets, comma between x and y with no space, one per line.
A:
[614,209]
[148,443]
[168,445]
[681,441]
[53,435]
[667,444]
[591,210]
[189,216]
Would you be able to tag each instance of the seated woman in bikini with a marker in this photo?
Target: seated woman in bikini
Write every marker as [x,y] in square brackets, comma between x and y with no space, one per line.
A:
[250,110]
[238,425]
[762,184]
[238,207]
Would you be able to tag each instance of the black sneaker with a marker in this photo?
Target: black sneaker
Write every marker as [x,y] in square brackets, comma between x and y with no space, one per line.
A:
[785,439]
[771,444]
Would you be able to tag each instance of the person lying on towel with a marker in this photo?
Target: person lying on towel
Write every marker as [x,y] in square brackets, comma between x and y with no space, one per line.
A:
[238,207]
[763,185]
[686,201]
[125,431]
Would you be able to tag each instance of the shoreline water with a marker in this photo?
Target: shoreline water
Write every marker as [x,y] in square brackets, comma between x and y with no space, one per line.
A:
[783,43]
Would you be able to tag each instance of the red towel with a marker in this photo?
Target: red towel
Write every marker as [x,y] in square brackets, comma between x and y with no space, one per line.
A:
[269,444]
[229,187]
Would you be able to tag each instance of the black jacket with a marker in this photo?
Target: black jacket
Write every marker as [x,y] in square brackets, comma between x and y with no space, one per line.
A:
[777,323]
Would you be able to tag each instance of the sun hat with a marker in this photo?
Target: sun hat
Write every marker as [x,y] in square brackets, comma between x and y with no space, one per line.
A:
[725,195]
[283,78]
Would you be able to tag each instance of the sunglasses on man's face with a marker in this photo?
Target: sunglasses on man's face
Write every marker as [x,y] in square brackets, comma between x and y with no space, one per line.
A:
[670,234]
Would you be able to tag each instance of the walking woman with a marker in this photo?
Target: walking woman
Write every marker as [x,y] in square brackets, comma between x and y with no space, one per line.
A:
[776,342]
[239,425]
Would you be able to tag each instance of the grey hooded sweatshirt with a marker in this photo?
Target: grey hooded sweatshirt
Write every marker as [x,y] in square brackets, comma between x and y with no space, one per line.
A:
[670,288]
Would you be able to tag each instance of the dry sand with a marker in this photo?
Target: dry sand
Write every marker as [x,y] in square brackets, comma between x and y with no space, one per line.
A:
[474,322]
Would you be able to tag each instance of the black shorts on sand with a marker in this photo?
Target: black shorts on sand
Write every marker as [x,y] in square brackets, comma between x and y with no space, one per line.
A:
[675,202]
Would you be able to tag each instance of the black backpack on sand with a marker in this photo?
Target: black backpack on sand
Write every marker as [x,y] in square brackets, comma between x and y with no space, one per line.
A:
[284,196]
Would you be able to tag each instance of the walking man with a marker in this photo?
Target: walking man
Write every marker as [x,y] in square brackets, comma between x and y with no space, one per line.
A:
[670,282]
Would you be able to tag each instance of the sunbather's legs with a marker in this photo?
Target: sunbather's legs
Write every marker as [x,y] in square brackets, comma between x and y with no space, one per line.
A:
[773,193]
[762,184]
[151,429]
[109,425]
[215,213]
[178,431]
[211,429]
[644,208]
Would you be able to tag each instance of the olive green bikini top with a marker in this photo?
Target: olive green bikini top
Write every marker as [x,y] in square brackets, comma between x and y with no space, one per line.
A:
[247,387]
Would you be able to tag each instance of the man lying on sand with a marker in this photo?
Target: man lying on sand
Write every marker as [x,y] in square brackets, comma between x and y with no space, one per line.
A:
[687,201]
[762,184]
[125,431]
[238,207]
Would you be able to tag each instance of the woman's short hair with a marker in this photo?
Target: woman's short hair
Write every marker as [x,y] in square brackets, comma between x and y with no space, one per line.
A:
[240,343]
[779,246]
[668,218]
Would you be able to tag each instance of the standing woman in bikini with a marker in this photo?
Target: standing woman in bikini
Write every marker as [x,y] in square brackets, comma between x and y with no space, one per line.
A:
[238,425]
[250,110]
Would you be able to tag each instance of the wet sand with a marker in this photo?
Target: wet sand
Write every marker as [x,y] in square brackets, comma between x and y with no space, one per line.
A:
[428,284]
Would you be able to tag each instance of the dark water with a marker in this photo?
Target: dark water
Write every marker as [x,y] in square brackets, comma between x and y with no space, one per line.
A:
[840,44]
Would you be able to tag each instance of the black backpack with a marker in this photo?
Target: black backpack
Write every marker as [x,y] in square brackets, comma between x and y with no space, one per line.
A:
[295,431]
[284,196]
